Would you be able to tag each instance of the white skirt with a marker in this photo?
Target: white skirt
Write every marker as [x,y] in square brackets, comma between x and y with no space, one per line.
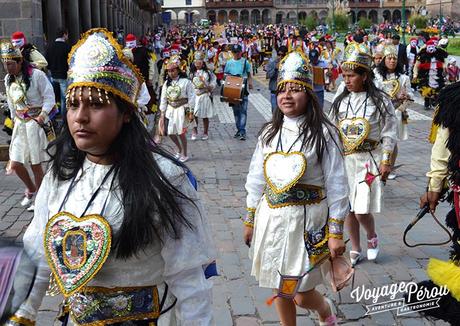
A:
[28,143]
[364,199]
[204,107]
[177,123]
[278,243]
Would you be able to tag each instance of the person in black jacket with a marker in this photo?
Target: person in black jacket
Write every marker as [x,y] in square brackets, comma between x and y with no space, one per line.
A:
[56,55]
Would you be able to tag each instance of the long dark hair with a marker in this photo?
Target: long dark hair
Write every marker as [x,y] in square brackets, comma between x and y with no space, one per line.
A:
[193,69]
[26,72]
[383,70]
[377,95]
[311,128]
[181,75]
[150,202]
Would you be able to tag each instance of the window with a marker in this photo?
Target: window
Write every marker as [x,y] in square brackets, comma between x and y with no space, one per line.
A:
[188,2]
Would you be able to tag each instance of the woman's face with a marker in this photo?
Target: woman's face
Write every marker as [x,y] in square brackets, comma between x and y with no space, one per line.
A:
[199,64]
[354,81]
[12,67]
[292,101]
[390,63]
[173,73]
[94,125]
[377,59]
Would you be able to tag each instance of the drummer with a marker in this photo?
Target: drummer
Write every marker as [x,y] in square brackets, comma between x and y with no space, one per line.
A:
[241,67]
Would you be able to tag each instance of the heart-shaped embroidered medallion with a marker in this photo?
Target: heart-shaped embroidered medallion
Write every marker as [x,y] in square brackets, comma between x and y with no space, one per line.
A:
[391,87]
[353,132]
[283,170]
[76,248]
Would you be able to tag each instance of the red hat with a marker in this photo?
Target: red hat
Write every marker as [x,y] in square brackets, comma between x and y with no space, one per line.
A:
[18,39]
[130,37]
[431,42]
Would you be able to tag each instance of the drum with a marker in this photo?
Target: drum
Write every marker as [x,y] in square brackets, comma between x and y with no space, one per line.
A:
[318,76]
[232,89]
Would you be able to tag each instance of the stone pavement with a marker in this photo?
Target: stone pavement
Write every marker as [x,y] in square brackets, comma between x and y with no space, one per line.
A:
[221,164]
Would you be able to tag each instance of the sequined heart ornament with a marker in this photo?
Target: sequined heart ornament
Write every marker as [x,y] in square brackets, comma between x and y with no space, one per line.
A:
[353,132]
[76,248]
[283,170]
[392,87]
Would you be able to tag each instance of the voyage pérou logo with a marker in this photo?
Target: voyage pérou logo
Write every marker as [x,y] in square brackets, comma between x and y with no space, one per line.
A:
[390,297]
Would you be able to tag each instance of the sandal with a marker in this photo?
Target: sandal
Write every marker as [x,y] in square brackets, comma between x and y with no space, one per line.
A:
[374,251]
[332,319]
[355,260]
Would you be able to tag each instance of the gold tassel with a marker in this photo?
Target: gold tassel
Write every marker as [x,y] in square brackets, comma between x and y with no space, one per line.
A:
[434,127]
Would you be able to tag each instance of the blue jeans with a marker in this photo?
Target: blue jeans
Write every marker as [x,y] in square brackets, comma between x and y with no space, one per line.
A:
[62,89]
[273,101]
[240,111]
[320,95]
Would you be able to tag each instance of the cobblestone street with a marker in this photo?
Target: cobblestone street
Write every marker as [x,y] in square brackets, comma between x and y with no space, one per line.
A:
[221,164]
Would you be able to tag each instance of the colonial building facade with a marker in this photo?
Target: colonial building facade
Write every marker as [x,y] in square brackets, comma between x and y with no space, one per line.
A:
[446,8]
[183,11]
[40,19]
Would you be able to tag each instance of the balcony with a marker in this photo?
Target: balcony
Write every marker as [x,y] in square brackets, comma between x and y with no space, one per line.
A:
[218,4]
[363,4]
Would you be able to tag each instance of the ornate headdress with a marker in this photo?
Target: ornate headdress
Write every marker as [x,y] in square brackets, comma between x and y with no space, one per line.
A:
[357,55]
[8,51]
[199,55]
[390,51]
[174,62]
[97,61]
[294,68]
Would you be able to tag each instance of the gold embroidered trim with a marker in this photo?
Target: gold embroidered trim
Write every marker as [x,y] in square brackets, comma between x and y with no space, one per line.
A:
[251,209]
[350,144]
[294,81]
[299,203]
[334,220]
[336,236]
[386,157]
[151,315]
[49,258]
[294,181]
[395,87]
[350,65]
[22,320]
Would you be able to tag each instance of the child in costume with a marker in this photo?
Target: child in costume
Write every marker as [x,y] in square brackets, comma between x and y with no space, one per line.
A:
[177,103]
[31,99]
[117,221]
[389,74]
[367,124]
[453,71]
[297,196]
[204,82]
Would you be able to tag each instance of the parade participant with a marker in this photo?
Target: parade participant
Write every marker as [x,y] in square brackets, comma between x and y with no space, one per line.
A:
[319,66]
[367,124]
[224,55]
[211,58]
[303,207]
[453,71]
[29,51]
[30,99]
[272,69]
[204,82]
[377,56]
[136,256]
[177,104]
[412,51]
[254,55]
[444,173]
[239,66]
[390,75]
[429,72]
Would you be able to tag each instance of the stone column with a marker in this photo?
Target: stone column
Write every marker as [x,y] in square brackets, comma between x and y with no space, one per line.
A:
[85,9]
[95,13]
[54,16]
[74,22]
[109,16]
[103,12]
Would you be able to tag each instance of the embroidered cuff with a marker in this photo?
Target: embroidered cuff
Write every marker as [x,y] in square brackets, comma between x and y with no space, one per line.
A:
[386,157]
[335,228]
[249,219]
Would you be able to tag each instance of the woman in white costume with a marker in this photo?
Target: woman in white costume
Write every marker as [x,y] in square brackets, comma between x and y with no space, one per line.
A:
[297,195]
[367,125]
[176,104]
[204,82]
[117,220]
[390,75]
[30,99]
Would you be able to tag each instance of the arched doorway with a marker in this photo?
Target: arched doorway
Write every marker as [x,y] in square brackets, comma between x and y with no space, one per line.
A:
[353,16]
[182,16]
[244,17]
[313,13]
[373,16]
[212,16]
[387,16]
[396,16]
[302,16]
[233,16]
[222,17]
[266,16]
[279,17]
[362,14]
[255,17]
[322,16]
[291,17]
